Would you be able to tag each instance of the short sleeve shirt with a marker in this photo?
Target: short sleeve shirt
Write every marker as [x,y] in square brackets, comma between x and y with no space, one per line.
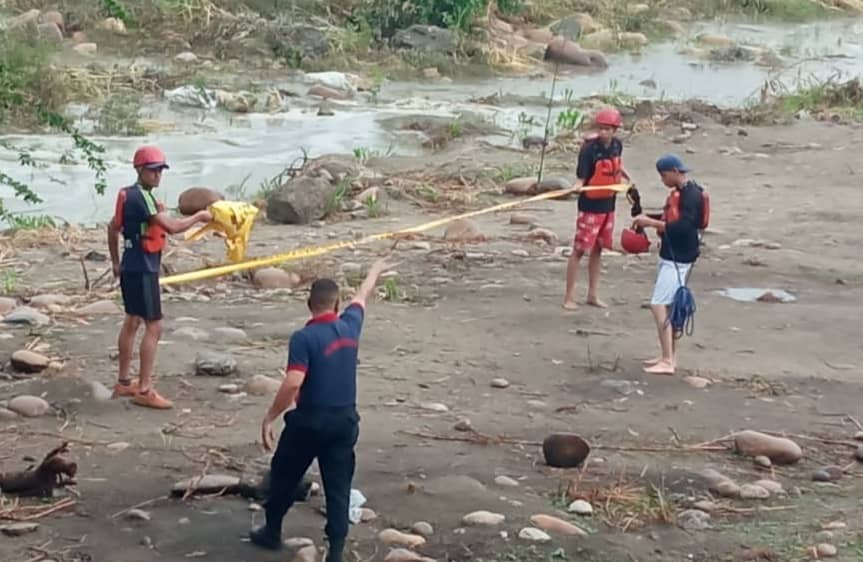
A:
[326,350]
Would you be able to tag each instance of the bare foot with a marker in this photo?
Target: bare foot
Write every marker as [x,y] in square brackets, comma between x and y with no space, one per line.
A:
[570,305]
[594,301]
[662,368]
[651,362]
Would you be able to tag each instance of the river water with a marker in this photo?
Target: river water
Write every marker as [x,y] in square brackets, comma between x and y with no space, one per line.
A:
[217,149]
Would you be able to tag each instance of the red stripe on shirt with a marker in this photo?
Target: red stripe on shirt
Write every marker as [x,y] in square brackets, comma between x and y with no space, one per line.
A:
[340,343]
[300,368]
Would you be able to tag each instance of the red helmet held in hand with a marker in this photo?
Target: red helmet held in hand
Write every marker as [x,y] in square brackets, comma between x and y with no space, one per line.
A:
[149,157]
[609,117]
[633,242]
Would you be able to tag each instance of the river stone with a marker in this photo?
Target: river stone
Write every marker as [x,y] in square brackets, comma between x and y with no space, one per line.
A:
[705,505]
[29,362]
[522,218]
[858,436]
[86,48]
[26,315]
[327,93]
[569,27]
[50,31]
[763,461]
[114,25]
[693,520]
[197,199]
[462,230]
[633,40]
[483,519]
[422,528]
[100,392]
[427,38]
[828,474]
[392,536]
[28,18]
[7,305]
[533,535]
[543,235]
[580,507]
[306,554]
[506,482]
[306,41]
[520,186]
[826,550]
[215,364]
[298,542]
[229,334]
[7,415]
[603,40]
[753,492]
[29,406]
[53,16]
[137,515]
[499,383]
[771,486]
[859,454]
[99,308]
[276,278]
[209,484]
[19,529]
[192,333]
[778,449]
[45,301]
[301,200]
[556,525]
[262,385]
[404,555]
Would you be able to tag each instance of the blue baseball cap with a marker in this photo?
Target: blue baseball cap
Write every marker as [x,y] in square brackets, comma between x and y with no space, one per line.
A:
[671,162]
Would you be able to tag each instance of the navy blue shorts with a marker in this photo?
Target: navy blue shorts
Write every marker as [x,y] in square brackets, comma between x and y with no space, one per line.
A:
[141,295]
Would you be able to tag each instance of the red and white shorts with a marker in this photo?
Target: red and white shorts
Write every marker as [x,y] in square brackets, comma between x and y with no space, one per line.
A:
[593,229]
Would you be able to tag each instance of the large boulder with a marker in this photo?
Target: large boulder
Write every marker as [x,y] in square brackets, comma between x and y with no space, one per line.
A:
[301,41]
[563,51]
[301,200]
[427,38]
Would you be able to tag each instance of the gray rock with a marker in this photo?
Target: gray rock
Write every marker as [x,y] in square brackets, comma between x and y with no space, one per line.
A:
[262,385]
[192,333]
[29,406]
[533,534]
[26,316]
[753,492]
[580,507]
[50,31]
[18,529]
[25,361]
[499,383]
[763,462]
[827,474]
[427,38]
[825,550]
[7,305]
[228,334]
[215,364]
[7,415]
[137,515]
[422,529]
[301,200]
[44,301]
[570,28]
[694,520]
[100,392]
[299,41]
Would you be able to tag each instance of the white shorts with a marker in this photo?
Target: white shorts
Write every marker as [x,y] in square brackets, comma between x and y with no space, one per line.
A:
[668,281]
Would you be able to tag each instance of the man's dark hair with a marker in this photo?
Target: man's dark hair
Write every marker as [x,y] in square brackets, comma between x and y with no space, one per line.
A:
[324,295]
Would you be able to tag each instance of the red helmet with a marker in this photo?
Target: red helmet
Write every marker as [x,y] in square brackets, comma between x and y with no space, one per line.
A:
[609,117]
[634,243]
[149,157]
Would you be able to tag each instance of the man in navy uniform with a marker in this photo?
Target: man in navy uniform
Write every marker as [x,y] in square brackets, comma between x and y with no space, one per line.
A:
[321,379]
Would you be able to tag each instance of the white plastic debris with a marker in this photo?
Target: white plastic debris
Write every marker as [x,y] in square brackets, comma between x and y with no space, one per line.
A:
[193,96]
[358,500]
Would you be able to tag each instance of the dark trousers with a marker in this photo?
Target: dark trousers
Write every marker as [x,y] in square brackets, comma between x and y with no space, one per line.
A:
[330,436]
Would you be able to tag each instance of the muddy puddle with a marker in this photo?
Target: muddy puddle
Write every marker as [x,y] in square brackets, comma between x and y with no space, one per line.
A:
[217,149]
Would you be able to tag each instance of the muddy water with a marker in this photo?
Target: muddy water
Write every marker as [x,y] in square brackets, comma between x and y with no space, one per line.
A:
[216,149]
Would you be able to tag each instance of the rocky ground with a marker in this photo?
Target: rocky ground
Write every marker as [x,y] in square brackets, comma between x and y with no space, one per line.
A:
[468,362]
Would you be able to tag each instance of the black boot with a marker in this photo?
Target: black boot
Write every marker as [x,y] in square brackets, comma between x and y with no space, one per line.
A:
[265,537]
[337,547]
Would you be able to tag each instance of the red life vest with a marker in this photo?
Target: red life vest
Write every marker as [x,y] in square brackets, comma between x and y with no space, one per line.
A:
[607,171]
[671,211]
[152,238]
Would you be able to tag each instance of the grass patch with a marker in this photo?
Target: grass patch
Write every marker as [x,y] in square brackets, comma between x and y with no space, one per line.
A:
[9,282]
[818,97]
[509,172]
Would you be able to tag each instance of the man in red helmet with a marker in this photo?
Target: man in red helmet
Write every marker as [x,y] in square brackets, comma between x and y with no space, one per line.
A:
[599,163]
[144,225]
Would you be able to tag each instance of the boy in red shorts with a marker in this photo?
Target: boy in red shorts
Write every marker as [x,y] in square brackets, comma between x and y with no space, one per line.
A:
[599,163]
